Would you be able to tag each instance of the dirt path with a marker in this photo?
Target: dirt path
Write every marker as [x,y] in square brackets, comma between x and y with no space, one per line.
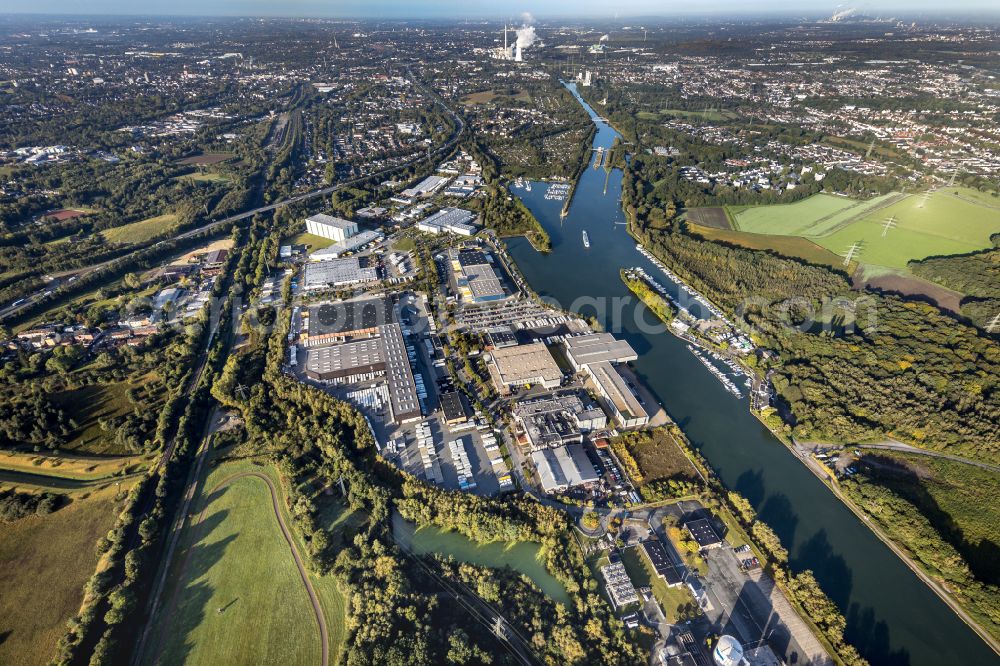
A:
[303,574]
[906,448]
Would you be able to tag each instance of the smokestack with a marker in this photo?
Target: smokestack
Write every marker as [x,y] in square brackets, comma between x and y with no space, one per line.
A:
[506,50]
[517,53]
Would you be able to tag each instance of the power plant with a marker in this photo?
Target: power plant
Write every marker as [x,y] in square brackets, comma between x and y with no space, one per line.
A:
[525,38]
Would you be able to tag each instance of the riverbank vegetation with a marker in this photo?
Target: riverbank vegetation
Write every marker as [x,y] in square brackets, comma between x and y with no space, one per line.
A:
[944,515]
[652,300]
[744,525]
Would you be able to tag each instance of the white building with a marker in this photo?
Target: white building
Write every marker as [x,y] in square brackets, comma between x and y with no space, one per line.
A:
[334,228]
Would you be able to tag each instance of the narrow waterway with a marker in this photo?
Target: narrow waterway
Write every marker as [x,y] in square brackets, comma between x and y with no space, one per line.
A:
[892,617]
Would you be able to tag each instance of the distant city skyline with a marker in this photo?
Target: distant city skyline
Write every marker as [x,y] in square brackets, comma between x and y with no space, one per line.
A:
[456,9]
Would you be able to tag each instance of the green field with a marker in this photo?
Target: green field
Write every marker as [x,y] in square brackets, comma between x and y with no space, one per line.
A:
[46,562]
[205,177]
[137,232]
[311,241]
[235,558]
[946,222]
[814,216]
[522,557]
[709,115]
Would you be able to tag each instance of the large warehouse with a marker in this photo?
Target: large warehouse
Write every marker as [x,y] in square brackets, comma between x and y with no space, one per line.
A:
[596,347]
[381,356]
[596,354]
[329,323]
[513,367]
[564,467]
[338,273]
[328,226]
[450,220]
[617,396]
[475,277]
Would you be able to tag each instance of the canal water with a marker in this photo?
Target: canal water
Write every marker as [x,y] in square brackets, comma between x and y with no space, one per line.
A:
[892,617]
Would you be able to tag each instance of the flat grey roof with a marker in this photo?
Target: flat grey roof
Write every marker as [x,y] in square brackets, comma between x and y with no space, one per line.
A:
[330,220]
[336,272]
[345,357]
[449,216]
[596,347]
[402,387]
[563,467]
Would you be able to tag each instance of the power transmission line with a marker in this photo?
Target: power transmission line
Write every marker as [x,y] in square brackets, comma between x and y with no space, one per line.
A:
[853,250]
[890,223]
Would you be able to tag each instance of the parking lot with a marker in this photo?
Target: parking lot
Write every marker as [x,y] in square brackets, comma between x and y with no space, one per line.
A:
[408,458]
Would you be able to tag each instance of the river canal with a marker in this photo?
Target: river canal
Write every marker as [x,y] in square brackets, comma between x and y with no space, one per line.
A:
[892,616]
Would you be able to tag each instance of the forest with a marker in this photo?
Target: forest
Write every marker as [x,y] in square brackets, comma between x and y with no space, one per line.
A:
[976,275]
[884,502]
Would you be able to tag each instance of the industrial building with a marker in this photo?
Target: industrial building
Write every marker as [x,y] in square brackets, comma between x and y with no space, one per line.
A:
[450,220]
[595,354]
[338,273]
[499,337]
[328,226]
[619,585]
[564,467]
[403,396]
[329,323]
[454,410]
[554,421]
[596,347]
[475,277]
[661,562]
[703,533]
[350,244]
[358,346]
[617,396]
[425,188]
[348,362]
[524,365]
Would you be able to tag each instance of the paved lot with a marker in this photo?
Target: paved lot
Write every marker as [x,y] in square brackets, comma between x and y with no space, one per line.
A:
[750,607]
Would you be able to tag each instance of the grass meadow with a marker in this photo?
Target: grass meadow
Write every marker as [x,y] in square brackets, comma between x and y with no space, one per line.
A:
[46,562]
[311,241]
[946,222]
[233,556]
[137,232]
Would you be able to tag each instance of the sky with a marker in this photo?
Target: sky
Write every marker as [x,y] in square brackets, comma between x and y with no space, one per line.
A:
[457,9]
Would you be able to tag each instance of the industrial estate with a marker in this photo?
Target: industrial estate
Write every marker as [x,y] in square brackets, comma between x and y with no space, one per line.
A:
[343,341]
